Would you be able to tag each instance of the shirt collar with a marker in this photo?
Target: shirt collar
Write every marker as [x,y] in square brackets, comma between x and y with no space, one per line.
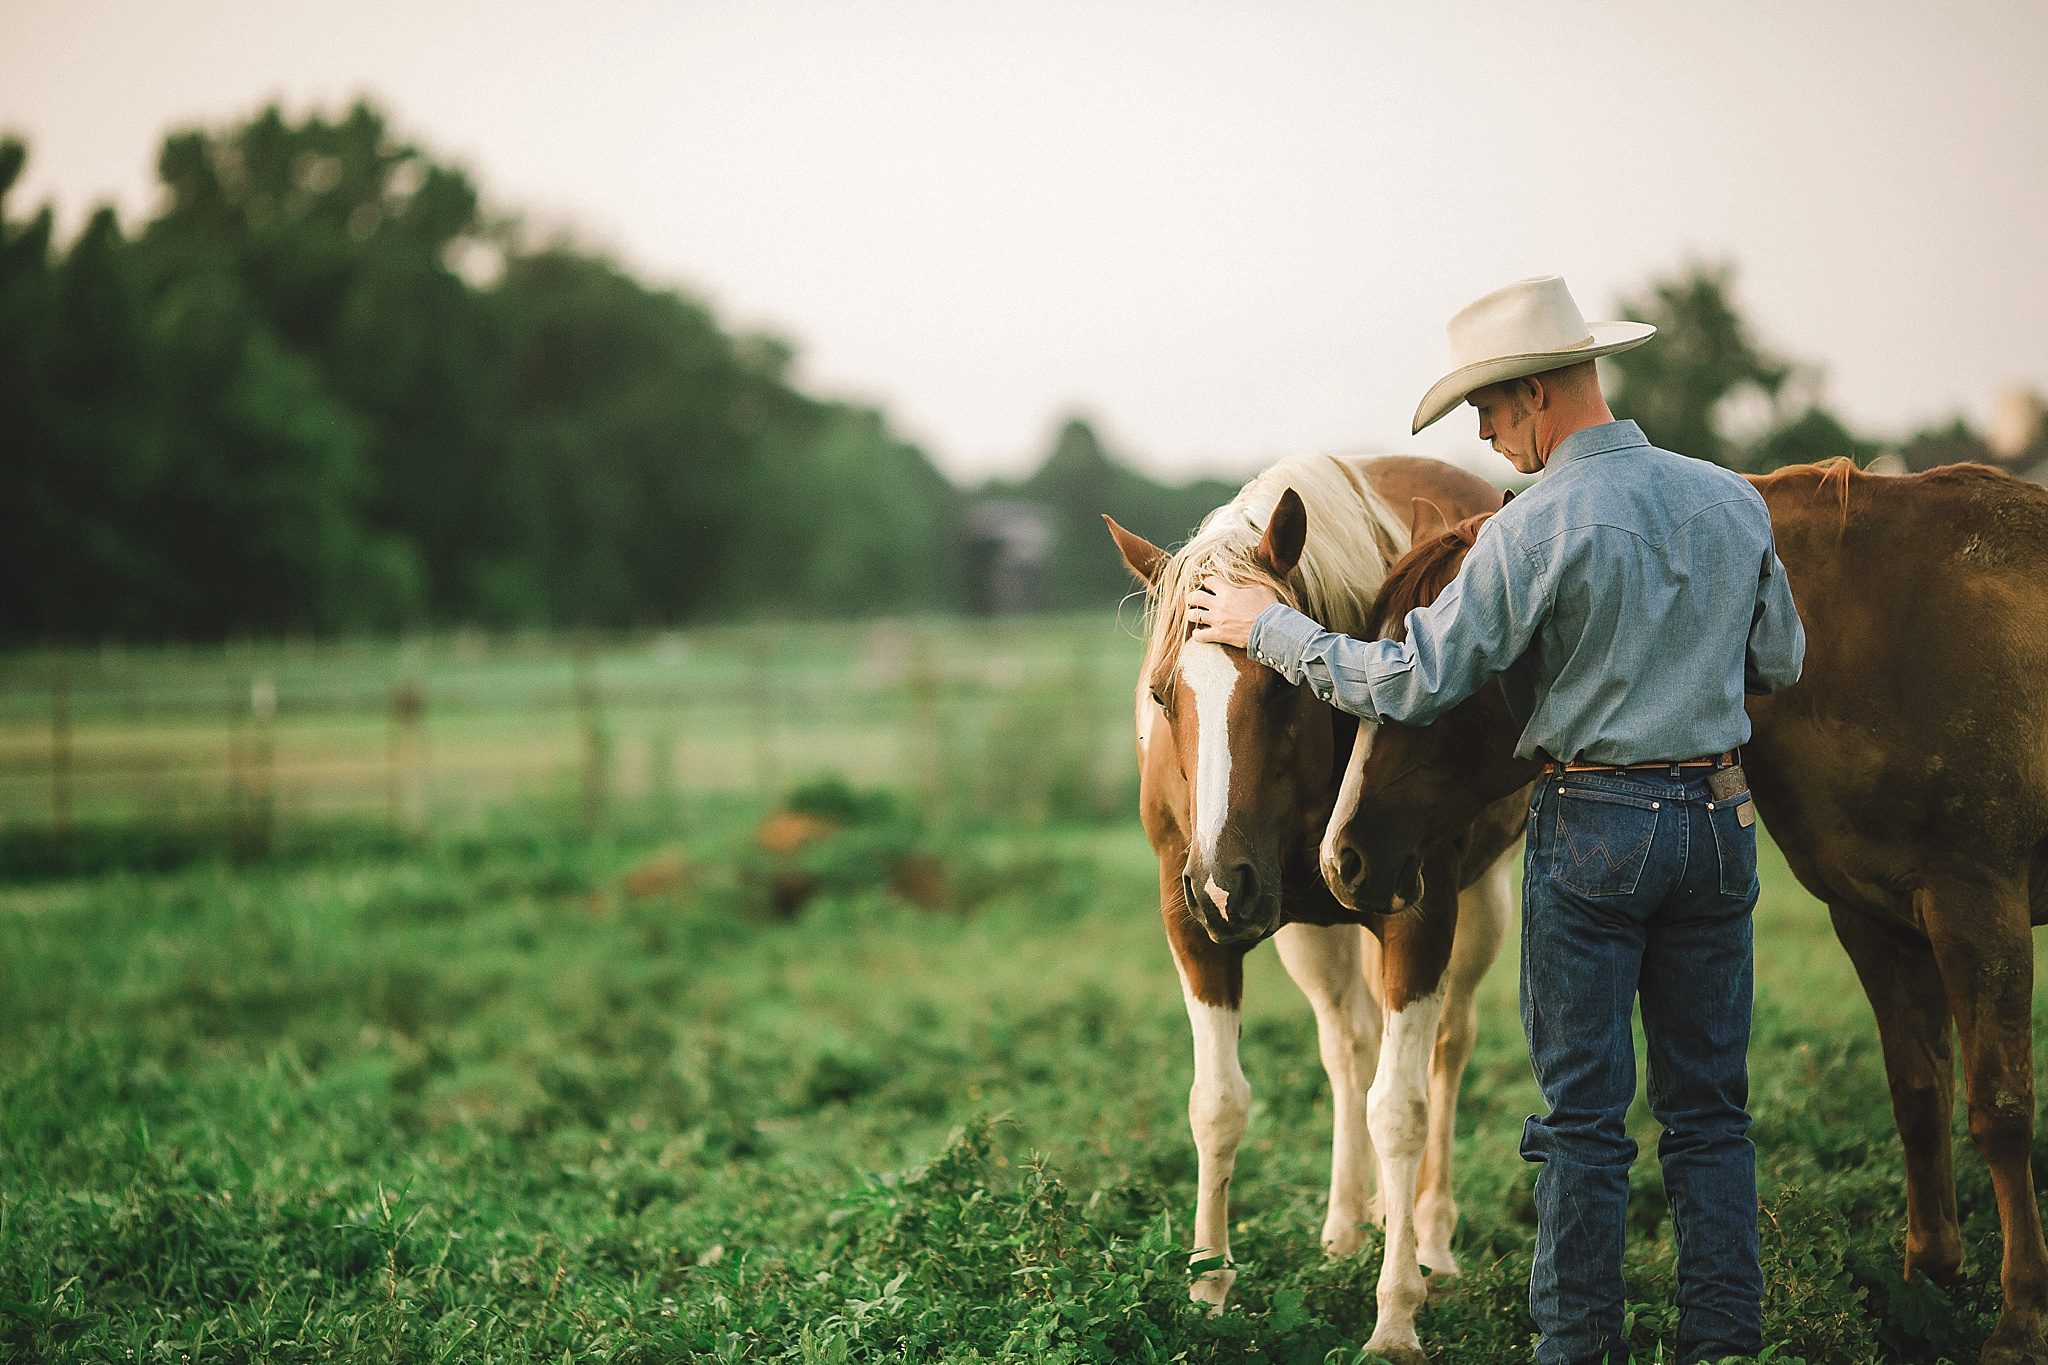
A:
[1596,441]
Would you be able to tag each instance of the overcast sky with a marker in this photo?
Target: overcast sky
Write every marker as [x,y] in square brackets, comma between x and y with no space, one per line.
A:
[1226,231]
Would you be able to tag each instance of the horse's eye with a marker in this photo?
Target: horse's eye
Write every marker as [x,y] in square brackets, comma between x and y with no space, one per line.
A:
[1158,697]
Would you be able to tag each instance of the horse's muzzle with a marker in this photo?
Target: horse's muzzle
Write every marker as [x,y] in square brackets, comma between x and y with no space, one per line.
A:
[1234,904]
[1384,886]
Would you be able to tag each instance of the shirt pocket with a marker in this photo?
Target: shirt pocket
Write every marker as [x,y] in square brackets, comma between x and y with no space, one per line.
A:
[1602,840]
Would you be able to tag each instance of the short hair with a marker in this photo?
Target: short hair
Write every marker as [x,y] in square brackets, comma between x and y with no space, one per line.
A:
[1577,377]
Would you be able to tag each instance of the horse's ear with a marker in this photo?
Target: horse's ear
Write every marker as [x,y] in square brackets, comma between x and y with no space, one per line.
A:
[1143,558]
[1425,521]
[1507,495]
[1286,533]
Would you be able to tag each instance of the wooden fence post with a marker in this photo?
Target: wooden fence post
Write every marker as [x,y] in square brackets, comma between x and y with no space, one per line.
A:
[928,727]
[405,756]
[60,751]
[260,815]
[761,714]
[596,744]
[237,785]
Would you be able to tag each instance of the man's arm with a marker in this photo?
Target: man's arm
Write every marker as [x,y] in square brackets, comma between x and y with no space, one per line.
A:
[1777,641]
[1483,622]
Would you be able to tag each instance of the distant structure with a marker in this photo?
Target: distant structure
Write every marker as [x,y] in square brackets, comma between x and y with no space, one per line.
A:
[1009,555]
[2018,438]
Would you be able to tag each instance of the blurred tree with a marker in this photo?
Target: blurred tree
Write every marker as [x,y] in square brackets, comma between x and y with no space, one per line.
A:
[1078,482]
[631,428]
[850,512]
[1706,366]
[320,391]
[1956,443]
[1704,358]
[42,490]
[1814,434]
[339,246]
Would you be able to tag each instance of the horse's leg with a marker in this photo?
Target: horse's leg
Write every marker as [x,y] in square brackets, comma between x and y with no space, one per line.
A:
[1482,923]
[1415,951]
[1983,941]
[1901,978]
[1212,987]
[1324,962]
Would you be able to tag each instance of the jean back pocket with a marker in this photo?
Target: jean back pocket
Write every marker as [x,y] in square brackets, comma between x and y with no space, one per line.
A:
[1735,845]
[1602,840]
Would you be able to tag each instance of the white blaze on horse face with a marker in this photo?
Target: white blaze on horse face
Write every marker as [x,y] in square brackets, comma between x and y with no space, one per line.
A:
[1348,793]
[1213,678]
[1219,895]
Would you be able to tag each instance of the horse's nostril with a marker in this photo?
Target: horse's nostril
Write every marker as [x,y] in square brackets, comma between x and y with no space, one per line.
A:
[1350,866]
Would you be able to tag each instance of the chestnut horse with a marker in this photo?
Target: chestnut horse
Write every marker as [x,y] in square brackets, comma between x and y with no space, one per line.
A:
[1905,777]
[1238,775]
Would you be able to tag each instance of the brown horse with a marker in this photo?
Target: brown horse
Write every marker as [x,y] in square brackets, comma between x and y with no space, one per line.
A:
[1906,779]
[1239,771]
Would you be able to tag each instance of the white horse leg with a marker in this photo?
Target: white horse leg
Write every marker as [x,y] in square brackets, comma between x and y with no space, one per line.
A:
[1324,962]
[1217,1104]
[1482,924]
[1397,1113]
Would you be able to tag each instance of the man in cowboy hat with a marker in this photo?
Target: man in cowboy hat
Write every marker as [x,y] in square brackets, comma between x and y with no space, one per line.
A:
[1626,601]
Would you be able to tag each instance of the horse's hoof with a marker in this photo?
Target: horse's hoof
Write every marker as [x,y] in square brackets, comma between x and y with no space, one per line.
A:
[1938,1269]
[1341,1242]
[1442,1283]
[1397,1352]
[1212,1289]
[2019,1352]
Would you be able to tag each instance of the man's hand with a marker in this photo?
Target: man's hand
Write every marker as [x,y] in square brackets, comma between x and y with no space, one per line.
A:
[1222,612]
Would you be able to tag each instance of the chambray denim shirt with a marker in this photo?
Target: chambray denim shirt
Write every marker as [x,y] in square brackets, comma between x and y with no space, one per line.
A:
[1627,600]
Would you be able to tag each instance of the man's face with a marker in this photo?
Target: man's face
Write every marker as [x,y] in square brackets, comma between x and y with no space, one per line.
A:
[1507,420]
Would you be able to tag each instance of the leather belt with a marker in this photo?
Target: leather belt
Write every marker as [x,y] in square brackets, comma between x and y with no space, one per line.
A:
[1720,760]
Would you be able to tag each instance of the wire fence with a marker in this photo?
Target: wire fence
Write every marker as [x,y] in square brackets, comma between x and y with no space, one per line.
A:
[1026,719]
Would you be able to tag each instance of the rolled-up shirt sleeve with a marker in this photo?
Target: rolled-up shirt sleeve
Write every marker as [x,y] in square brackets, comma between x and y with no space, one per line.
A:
[1777,640]
[1480,624]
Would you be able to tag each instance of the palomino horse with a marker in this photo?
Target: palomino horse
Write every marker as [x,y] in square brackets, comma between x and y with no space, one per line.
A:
[1905,776]
[1238,774]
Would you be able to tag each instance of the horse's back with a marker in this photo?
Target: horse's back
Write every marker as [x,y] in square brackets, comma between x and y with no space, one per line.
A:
[1397,479]
[1918,735]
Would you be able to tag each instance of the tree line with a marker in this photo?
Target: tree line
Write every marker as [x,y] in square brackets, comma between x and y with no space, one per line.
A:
[326,389]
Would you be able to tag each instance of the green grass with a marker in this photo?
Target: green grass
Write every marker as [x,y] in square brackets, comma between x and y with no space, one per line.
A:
[470,1102]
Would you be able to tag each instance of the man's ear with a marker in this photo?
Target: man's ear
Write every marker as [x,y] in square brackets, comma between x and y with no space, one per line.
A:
[1286,533]
[1425,520]
[1141,556]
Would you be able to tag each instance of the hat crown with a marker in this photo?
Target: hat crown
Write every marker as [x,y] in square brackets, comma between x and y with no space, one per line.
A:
[1527,317]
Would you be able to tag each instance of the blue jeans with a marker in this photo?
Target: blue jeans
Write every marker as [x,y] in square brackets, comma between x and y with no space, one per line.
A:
[1640,884]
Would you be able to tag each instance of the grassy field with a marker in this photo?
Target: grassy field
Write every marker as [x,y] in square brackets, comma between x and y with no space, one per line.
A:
[473,1101]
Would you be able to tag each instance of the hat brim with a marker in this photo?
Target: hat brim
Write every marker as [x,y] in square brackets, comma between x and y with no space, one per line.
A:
[1608,338]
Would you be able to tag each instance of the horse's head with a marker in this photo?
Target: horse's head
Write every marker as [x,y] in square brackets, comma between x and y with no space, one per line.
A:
[1408,789]
[1251,755]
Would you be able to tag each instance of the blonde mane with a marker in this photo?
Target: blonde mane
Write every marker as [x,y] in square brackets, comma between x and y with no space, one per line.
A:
[1353,535]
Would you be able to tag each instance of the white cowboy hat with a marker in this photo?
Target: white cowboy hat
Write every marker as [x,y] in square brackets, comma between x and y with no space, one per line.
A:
[1527,328]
